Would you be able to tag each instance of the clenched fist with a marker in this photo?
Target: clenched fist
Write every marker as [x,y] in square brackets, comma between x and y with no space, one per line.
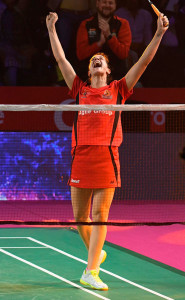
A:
[51,19]
[162,24]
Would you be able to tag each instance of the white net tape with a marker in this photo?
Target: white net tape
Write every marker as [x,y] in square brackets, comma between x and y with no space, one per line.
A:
[134,107]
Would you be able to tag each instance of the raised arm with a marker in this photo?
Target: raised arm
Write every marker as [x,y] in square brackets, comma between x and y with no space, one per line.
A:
[138,69]
[64,65]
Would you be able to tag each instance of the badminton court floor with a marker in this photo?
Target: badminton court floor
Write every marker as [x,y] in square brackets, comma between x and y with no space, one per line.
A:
[47,263]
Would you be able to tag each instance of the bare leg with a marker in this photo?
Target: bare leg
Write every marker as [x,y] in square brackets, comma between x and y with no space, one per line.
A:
[81,202]
[101,205]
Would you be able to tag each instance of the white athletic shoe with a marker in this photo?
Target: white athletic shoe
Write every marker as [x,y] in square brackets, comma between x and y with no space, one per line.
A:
[91,279]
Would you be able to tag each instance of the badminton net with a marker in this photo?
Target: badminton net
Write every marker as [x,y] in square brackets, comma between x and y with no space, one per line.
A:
[35,164]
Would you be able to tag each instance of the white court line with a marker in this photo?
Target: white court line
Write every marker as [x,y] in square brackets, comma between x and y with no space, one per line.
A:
[23,247]
[13,237]
[103,270]
[19,247]
[52,274]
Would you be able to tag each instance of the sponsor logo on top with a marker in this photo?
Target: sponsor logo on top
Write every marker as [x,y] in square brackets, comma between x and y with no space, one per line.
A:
[107,95]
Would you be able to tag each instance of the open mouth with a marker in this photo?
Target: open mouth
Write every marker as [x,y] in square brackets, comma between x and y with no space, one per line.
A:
[97,64]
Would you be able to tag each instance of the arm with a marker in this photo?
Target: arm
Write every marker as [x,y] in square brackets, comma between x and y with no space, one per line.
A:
[138,69]
[64,65]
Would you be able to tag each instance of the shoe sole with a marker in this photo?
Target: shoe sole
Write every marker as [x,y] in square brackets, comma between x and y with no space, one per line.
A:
[93,287]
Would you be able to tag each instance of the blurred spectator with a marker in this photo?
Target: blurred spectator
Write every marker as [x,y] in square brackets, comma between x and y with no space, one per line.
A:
[15,45]
[169,5]
[168,67]
[107,33]
[44,71]
[70,14]
[2,7]
[140,21]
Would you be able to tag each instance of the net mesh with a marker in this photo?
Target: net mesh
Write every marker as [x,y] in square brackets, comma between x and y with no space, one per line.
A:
[35,165]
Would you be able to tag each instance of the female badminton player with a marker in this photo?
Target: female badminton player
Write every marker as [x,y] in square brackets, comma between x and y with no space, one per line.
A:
[96,137]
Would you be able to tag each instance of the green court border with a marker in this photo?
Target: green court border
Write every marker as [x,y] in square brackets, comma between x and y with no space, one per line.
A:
[140,256]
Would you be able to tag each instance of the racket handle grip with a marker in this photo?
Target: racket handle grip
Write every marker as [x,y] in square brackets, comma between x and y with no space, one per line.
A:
[155,9]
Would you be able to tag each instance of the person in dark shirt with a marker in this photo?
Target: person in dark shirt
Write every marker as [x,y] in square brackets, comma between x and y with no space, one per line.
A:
[16,45]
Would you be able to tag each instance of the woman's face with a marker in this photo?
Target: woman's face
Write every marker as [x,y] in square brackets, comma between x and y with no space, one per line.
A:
[98,66]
